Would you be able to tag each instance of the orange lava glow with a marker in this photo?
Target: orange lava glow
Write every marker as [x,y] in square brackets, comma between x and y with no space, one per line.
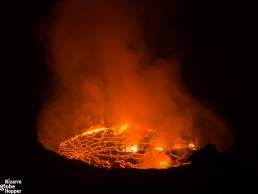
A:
[111,148]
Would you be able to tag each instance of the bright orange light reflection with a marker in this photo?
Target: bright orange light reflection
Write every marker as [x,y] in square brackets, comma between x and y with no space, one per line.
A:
[111,148]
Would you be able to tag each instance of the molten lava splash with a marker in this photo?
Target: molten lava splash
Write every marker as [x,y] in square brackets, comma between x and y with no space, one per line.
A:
[111,148]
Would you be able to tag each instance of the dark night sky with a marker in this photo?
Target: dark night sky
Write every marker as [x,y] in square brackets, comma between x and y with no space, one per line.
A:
[216,59]
[216,33]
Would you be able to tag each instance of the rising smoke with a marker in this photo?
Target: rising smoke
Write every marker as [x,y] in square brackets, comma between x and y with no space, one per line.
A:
[106,74]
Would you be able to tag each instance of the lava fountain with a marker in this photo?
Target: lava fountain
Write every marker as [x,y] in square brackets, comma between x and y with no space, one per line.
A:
[106,73]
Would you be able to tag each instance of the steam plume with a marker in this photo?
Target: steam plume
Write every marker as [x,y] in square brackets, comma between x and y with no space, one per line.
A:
[107,75]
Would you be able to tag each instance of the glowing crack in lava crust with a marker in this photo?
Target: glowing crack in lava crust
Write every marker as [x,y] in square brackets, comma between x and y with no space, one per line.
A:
[111,148]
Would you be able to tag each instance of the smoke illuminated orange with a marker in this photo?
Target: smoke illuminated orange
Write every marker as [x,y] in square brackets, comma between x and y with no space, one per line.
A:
[110,148]
[106,71]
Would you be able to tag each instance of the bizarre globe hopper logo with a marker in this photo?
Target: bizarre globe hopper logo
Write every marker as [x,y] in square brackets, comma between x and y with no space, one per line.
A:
[2,187]
[112,148]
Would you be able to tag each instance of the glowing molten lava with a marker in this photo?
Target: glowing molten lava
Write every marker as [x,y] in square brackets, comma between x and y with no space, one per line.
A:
[114,148]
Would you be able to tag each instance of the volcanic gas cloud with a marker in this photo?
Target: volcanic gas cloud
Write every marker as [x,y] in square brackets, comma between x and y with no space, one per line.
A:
[105,76]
